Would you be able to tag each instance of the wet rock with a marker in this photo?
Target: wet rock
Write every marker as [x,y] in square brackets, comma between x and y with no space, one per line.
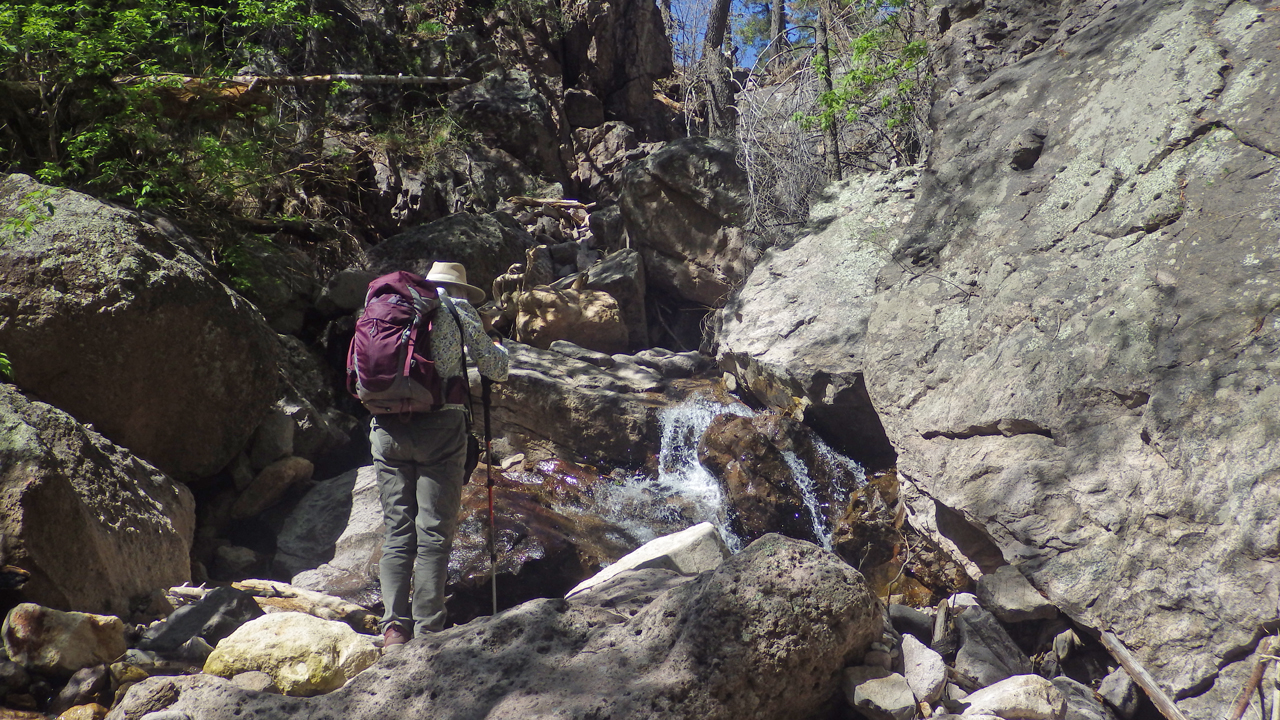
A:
[60,643]
[1007,594]
[14,679]
[879,694]
[270,484]
[681,206]
[1028,697]
[89,685]
[764,635]
[303,654]
[688,552]
[178,371]
[987,653]
[924,669]
[213,617]
[1082,704]
[92,524]
[759,484]
[1121,693]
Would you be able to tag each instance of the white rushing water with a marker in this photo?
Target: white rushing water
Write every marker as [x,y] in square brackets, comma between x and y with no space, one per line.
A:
[685,493]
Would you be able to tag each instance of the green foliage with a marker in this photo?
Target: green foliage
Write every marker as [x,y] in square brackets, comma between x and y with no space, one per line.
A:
[33,209]
[6,369]
[115,107]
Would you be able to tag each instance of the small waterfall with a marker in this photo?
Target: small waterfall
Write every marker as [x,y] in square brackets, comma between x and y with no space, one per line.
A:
[685,493]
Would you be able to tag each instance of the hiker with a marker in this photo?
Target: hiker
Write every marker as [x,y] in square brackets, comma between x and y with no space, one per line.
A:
[419,456]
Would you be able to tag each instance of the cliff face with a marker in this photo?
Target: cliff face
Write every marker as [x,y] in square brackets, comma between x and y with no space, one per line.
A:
[1069,331]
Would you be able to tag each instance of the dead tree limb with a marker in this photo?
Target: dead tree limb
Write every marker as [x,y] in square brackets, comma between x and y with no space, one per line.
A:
[1255,679]
[1140,675]
[297,80]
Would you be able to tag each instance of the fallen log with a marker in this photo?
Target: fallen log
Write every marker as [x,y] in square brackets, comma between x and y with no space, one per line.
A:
[1140,675]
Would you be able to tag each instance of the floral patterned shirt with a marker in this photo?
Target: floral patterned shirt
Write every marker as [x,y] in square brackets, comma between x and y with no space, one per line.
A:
[446,341]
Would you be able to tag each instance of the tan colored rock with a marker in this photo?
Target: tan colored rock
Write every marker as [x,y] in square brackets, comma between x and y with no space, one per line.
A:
[92,711]
[587,318]
[270,485]
[303,654]
[60,643]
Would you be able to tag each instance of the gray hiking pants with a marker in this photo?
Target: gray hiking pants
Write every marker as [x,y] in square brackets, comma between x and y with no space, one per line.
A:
[420,462]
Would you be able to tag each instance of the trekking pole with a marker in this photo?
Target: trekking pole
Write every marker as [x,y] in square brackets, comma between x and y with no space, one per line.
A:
[485,384]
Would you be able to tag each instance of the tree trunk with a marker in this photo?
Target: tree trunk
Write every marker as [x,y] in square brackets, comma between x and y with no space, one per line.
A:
[777,28]
[831,150]
[722,121]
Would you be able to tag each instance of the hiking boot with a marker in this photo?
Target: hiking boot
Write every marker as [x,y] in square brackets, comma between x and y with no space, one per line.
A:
[392,638]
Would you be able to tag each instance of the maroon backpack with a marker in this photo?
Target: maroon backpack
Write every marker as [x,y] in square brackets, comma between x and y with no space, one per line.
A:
[390,367]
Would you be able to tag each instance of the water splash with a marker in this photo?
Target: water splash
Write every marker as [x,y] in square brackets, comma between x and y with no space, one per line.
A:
[685,493]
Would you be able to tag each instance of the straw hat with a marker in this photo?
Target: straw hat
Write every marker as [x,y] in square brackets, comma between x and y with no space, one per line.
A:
[454,277]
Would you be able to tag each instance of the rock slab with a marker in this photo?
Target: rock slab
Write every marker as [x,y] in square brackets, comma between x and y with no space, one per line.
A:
[94,525]
[764,636]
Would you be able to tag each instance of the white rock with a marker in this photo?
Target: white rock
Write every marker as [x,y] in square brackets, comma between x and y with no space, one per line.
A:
[925,670]
[879,694]
[1021,697]
[691,551]
[303,654]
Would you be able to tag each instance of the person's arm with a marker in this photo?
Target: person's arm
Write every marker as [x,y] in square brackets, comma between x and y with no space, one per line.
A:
[491,358]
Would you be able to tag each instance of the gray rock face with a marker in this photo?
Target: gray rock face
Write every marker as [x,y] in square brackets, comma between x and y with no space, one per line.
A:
[109,320]
[486,244]
[94,525]
[681,206]
[557,405]
[763,636]
[1077,356]
[618,48]
[513,116]
[1008,595]
[987,653]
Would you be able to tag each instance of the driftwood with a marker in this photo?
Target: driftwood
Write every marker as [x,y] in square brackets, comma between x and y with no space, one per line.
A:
[549,202]
[1255,679]
[1140,675]
[284,596]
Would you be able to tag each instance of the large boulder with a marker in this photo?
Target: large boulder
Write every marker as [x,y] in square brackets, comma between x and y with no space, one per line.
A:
[486,244]
[303,654]
[552,404]
[1075,350]
[617,50]
[682,207]
[60,643]
[763,636]
[512,114]
[109,319]
[95,526]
